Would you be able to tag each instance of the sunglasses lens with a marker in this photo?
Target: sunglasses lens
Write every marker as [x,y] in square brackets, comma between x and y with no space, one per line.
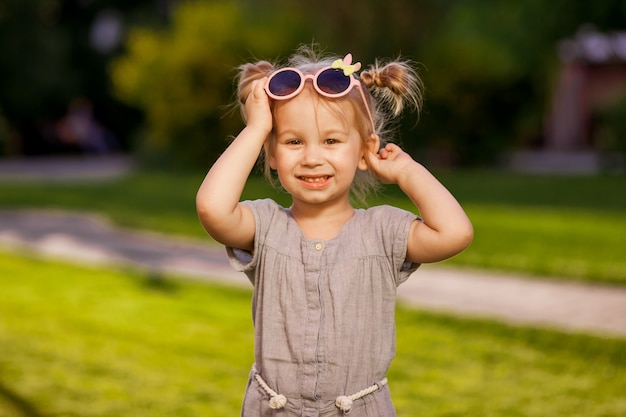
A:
[284,83]
[333,81]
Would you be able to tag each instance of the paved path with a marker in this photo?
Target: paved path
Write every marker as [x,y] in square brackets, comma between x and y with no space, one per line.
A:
[64,168]
[93,240]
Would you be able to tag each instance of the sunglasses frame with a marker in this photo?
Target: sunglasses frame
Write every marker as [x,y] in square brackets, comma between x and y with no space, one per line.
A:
[314,78]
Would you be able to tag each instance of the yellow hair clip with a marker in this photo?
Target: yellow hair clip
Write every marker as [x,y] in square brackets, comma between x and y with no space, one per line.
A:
[346,65]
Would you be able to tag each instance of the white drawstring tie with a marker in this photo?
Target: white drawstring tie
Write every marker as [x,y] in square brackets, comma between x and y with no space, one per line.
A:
[277,401]
[343,402]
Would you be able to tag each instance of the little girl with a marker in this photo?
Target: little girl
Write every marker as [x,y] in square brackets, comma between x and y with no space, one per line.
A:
[324,273]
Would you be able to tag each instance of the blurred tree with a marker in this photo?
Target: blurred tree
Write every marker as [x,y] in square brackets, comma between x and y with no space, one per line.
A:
[491,67]
[182,77]
[48,59]
[35,75]
[609,128]
[95,29]
[488,65]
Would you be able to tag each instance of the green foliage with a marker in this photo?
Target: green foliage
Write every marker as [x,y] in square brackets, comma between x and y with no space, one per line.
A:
[47,61]
[488,66]
[610,128]
[5,138]
[488,77]
[35,71]
[491,69]
[88,342]
[182,77]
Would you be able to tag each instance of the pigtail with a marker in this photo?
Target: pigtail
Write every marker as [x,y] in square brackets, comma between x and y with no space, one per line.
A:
[247,74]
[395,84]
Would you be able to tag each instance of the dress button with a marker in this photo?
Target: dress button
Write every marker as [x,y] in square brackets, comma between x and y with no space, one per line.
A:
[319,246]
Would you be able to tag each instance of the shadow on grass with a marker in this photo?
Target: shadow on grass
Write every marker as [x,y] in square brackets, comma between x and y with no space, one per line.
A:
[156,281]
[19,404]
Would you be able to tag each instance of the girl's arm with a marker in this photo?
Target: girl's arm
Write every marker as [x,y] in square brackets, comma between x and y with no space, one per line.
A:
[217,200]
[445,229]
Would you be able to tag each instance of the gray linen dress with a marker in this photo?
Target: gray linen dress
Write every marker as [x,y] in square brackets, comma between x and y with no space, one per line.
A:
[323,311]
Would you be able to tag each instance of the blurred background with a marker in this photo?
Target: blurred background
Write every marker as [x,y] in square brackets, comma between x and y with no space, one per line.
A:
[111,112]
[531,85]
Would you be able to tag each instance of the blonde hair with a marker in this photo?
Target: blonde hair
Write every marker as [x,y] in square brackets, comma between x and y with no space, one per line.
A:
[389,87]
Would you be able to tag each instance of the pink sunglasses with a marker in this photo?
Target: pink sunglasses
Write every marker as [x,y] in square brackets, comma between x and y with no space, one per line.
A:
[333,81]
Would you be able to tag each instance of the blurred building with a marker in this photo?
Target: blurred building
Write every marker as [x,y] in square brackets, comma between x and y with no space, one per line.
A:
[592,78]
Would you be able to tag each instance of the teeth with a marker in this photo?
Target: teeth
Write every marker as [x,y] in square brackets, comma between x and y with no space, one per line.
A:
[314,179]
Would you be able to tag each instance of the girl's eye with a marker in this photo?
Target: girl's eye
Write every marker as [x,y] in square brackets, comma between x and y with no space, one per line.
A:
[331,141]
[293,142]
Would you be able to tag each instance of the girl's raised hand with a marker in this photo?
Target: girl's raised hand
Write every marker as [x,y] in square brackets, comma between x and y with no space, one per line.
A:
[444,229]
[258,113]
[390,164]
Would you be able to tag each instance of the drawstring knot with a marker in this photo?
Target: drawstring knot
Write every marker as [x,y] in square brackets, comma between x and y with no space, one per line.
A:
[277,401]
[343,402]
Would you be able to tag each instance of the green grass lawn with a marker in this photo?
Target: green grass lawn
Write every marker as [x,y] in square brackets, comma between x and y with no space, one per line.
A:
[566,227]
[78,341]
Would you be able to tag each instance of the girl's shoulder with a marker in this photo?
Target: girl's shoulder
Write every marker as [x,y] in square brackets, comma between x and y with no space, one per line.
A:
[385,220]
[268,215]
[264,206]
[384,213]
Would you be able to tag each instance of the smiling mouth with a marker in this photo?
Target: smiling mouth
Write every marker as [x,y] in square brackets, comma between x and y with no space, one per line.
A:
[315,180]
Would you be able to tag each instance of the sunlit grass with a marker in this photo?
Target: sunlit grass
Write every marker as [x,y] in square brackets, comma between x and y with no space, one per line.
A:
[88,342]
[548,242]
[566,227]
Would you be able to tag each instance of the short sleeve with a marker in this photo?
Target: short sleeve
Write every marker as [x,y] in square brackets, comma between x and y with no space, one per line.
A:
[246,261]
[406,267]
[395,225]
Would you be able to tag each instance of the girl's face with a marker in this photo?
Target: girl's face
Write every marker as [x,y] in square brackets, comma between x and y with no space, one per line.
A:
[316,149]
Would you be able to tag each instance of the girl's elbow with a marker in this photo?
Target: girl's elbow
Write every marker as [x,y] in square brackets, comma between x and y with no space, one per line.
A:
[201,202]
[452,243]
[206,213]
[464,236]
[207,207]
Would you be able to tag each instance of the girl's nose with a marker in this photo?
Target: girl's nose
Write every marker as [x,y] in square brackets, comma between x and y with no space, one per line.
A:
[313,155]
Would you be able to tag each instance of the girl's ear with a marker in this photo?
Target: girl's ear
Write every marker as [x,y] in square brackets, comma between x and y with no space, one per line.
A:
[371,145]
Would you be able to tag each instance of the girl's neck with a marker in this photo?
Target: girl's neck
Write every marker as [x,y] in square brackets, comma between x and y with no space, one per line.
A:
[319,222]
